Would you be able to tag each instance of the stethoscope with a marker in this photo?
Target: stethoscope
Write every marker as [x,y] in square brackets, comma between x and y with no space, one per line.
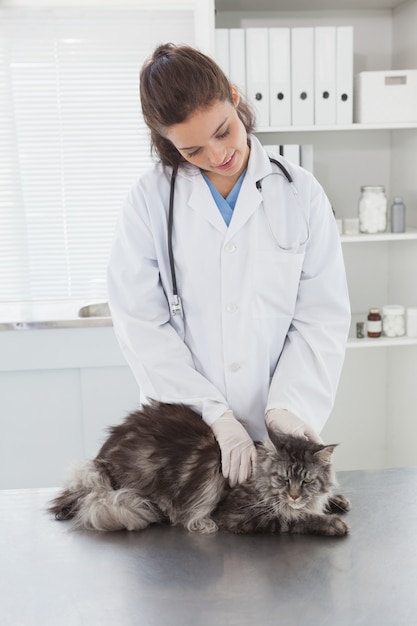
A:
[176,307]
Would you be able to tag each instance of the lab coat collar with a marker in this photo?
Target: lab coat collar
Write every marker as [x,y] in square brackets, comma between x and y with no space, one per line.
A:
[202,201]
[259,164]
[249,198]
[200,198]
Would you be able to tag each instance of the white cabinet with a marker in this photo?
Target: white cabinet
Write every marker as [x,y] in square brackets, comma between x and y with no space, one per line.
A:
[375,413]
[59,390]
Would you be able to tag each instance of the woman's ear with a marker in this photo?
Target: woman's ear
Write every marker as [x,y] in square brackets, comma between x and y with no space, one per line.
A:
[234,92]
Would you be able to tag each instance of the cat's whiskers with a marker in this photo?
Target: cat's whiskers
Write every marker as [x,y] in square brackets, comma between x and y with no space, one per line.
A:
[259,507]
[268,511]
[258,504]
[270,506]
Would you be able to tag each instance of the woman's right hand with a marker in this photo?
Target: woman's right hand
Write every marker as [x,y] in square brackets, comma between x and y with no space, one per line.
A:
[237,449]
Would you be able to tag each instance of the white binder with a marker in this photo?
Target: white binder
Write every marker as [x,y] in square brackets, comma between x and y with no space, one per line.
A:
[344,75]
[271,149]
[257,73]
[325,75]
[306,157]
[221,49]
[237,55]
[279,77]
[291,152]
[302,75]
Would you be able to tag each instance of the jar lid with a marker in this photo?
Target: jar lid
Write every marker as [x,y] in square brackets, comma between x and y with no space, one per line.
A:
[375,310]
[393,309]
[373,188]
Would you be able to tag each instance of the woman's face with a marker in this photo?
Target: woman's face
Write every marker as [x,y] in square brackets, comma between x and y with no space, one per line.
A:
[214,139]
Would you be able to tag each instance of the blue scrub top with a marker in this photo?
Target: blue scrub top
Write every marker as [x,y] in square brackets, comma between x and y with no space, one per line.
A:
[225,205]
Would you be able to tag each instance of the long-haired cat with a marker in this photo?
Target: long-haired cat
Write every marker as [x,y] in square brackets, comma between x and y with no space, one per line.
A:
[162,464]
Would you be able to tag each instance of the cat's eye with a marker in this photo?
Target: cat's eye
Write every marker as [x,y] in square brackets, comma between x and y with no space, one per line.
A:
[285,479]
[307,481]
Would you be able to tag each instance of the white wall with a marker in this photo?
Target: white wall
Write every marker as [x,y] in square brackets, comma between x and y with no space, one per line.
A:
[404,144]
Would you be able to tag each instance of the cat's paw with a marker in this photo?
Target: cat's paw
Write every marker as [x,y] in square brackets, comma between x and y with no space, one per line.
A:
[338,504]
[202,525]
[336,527]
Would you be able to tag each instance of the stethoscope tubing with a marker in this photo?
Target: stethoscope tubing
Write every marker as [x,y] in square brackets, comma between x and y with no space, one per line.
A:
[170,226]
[283,170]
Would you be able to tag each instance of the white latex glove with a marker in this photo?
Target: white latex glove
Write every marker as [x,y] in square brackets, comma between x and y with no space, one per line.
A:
[283,421]
[237,448]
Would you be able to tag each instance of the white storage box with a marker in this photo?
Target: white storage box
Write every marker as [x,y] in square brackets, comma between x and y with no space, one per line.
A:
[387,96]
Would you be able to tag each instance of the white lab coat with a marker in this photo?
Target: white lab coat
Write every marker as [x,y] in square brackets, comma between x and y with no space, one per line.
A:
[262,328]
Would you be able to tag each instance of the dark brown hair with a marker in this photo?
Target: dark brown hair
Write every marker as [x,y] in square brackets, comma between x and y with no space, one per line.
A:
[175,82]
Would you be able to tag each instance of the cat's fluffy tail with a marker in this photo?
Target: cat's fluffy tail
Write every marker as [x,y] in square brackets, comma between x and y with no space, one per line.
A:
[91,502]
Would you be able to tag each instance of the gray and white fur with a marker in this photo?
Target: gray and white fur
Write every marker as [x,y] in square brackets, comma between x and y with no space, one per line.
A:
[162,464]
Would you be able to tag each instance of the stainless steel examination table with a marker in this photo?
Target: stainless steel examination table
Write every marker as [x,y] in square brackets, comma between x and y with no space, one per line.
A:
[163,576]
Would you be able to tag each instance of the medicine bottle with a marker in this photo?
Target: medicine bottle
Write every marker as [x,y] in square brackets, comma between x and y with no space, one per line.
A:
[372,209]
[398,216]
[374,325]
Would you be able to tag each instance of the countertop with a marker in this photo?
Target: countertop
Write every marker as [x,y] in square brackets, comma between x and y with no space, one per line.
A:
[71,313]
[164,576]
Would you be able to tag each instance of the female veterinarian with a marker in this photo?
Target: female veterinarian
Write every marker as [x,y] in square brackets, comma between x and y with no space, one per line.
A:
[226,279]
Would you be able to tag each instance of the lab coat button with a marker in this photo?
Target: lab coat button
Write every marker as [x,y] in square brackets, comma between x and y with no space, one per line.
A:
[230,248]
[235,367]
[231,307]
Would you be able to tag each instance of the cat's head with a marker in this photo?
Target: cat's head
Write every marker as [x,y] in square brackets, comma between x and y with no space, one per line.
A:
[297,473]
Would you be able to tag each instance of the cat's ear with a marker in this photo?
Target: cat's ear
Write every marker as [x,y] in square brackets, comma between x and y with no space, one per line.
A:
[324,456]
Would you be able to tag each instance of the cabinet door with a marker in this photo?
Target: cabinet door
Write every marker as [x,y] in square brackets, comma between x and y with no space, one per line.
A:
[41,427]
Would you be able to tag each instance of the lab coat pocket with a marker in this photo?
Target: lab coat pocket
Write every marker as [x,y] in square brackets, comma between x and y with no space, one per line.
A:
[276,278]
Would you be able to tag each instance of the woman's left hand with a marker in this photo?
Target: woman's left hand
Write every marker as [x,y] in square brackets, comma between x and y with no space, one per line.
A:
[283,421]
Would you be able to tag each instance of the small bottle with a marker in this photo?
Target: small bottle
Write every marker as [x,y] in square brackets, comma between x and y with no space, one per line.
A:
[374,325]
[360,330]
[372,209]
[398,216]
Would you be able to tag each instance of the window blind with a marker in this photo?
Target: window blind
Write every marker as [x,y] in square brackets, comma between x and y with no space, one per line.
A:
[72,141]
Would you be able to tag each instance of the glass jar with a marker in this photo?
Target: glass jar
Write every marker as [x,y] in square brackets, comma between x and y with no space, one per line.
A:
[393,322]
[374,325]
[372,209]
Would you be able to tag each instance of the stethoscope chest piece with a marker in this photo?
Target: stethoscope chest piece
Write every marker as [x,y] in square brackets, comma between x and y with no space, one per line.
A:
[176,306]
